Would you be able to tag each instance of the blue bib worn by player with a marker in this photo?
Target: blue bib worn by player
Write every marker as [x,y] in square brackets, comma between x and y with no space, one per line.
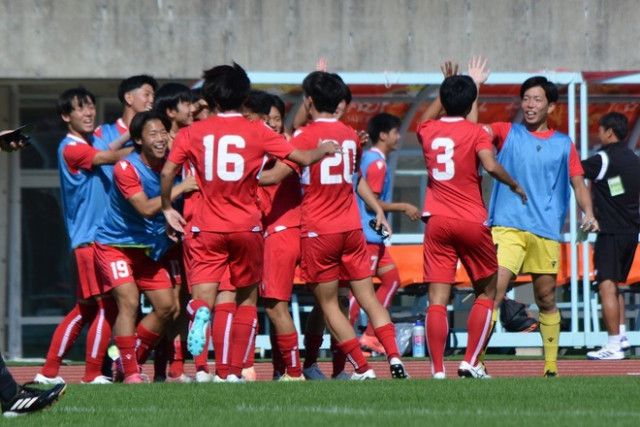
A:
[105,134]
[84,197]
[541,167]
[124,226]
[366,215]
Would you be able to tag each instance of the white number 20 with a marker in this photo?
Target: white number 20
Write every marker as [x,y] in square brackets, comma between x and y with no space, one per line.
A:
[444,158]
[347,158]
[229,166]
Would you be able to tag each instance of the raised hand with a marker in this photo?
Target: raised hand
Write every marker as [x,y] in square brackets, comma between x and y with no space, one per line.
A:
[321,64]
[478,70]
[449,68]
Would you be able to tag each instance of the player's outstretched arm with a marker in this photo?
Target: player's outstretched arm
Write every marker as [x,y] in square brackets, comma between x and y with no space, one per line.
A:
[275,175]
[109,157]
[150,207]
[309,157]
[369,197]
[406,208]
[495,169]
[175,221]
[434,110]
[117,143]
[479,72]
[583,197]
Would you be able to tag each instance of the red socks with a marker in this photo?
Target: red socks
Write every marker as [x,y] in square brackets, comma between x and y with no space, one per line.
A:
[176,367]
[193,306]
[478,328]
[437,331]
[312,344]
[279,367]
[251,350]
[244,324]
[127,347]
[65,335]
[221,326]
[338,358]
[146,340]
[386,334]
[354,355]
[98,338]
[389,284]
[288,346]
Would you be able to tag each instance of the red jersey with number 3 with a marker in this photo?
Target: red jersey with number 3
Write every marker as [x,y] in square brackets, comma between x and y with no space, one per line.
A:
[226,152]
[450,146]
[328,202]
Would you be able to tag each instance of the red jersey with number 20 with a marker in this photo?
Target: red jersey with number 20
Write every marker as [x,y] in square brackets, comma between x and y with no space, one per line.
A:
[450,146]
[227,151]
[328,202]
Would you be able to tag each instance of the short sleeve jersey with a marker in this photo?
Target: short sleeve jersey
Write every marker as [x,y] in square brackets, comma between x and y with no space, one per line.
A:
[328,202]
[227,151]
[280,203]
[450,146]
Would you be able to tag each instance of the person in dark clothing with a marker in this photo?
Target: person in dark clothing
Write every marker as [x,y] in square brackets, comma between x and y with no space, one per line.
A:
[615,175]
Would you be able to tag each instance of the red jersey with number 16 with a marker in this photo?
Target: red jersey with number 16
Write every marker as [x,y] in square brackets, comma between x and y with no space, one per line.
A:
[227,151]
[328,202]
[450,146]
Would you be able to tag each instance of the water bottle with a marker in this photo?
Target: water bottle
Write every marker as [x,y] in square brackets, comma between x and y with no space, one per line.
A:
[418,339]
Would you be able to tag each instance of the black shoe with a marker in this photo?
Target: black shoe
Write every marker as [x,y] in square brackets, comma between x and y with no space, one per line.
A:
[398,372]
[550,374]
[30,399]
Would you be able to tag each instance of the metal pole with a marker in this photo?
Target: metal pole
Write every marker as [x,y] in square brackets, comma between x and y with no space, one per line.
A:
[586,283]
[571,98]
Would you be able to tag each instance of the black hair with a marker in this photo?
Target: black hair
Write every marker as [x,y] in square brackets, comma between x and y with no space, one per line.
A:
[135,82]
[382,123]
[226,86]
[617,122]
[65,100]
[140,120]
[197,94]
[169,95]
[277,102]
[457,94]
[550,89]
[347,96]
[326,91]
[259,102]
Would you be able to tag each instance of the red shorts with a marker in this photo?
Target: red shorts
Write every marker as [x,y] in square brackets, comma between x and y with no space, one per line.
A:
[126,265]
[447,239]
[379,256]
[210,253]
[281,255]
[330,257]
[90,282]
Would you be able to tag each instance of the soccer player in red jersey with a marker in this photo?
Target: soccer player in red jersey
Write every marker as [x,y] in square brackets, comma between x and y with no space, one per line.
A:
[455,218]
[226,151]
[333,245]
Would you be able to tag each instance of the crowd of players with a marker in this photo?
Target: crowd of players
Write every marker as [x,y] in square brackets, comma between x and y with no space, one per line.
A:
[202,201]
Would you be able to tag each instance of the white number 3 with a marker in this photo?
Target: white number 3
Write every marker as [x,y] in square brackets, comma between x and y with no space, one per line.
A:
[445,158]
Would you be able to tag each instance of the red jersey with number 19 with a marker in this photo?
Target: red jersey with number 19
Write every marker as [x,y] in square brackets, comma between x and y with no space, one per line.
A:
[227,151]
[328,202]
[450,146]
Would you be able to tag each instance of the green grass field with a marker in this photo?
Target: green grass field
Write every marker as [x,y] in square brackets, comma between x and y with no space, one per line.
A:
[522,402]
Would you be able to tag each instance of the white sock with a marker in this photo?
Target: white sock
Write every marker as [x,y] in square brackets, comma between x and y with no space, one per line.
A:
[623,330]
[395,361]
[614,340]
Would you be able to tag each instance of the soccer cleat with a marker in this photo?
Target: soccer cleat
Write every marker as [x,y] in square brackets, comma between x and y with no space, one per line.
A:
[550,374]
[41,379]
[465,370]
[370,342]
[182,379]
[249,374]
[624,343]
[313,373]
[100,379]
[342,376]
[607,352]
[219,379]
[203,377]
[30,399]
[136,379]
[197,337]
[439,376]
[288,378]
[398,371]
[369,374]
[231,378]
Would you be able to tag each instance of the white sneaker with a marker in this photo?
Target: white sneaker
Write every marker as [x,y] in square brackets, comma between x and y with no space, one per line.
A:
[624,343]
[439,376]
[367,375]
[41,379]
[100,379]
[203,377]
[313,372]
[231,378]
[607,352]
[182,379]
[218,379]
[249,374]
[465,370]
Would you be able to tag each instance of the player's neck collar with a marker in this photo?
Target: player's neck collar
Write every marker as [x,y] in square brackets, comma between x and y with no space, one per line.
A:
[122,127]
[326,119]
[229,114]
[77,138]
[451,119]
[379,151]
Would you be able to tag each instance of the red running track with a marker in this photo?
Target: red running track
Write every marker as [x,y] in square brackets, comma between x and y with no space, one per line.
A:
[417,369]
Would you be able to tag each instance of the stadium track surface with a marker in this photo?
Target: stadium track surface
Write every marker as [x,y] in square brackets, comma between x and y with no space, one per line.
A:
[417,369]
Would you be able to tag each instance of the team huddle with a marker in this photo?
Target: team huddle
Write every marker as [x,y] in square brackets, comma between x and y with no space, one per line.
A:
[201,200]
